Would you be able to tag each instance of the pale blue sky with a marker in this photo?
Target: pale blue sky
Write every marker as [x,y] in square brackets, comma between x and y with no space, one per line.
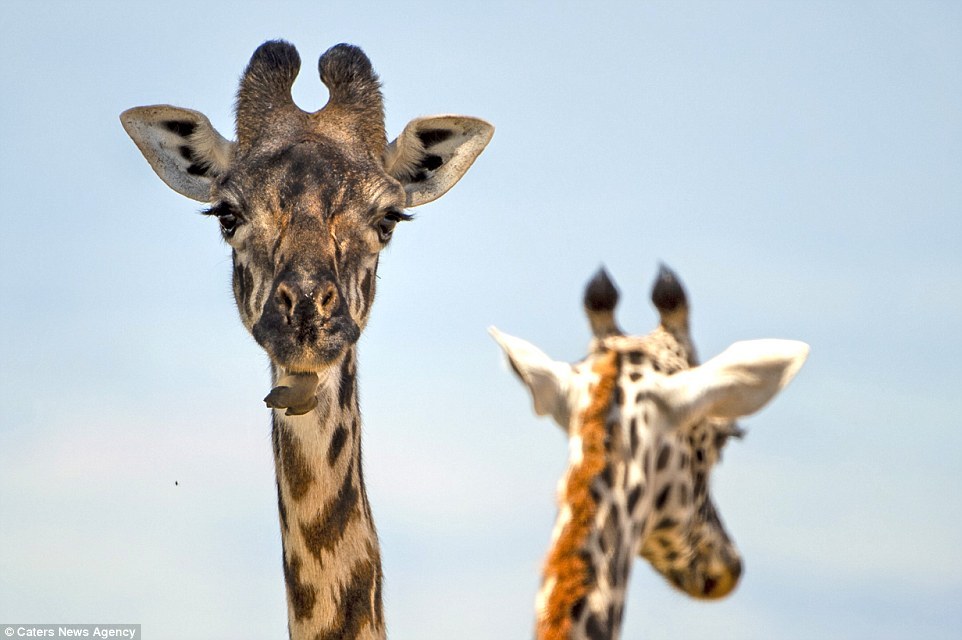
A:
[797,163]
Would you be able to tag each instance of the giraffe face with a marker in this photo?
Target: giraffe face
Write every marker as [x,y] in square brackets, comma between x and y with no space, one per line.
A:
[306,247]
[306,200]
[682,535]
[655,485]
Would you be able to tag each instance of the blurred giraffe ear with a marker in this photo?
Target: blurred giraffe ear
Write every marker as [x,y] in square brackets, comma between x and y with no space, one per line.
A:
[432,154]
[737,382]
[546,379]
[181,146]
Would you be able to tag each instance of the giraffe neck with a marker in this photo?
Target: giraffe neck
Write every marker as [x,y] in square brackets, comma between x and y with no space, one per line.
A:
[594,542]
[332,561]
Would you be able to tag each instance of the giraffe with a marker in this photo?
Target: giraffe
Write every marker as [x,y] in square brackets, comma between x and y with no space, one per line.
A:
[646,424]
[306,202]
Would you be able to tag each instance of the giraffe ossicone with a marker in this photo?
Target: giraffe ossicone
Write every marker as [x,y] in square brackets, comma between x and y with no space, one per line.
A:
[646,424]
[307,202]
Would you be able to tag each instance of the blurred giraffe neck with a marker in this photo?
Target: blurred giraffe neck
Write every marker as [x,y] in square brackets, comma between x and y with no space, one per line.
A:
[582,593]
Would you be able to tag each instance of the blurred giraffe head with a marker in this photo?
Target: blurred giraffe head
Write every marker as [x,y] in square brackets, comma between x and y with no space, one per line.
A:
[646,424]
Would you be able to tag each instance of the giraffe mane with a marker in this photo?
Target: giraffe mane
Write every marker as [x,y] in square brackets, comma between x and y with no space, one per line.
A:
[565,564]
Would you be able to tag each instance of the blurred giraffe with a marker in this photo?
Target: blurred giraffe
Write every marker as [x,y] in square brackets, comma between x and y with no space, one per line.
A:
[645,425]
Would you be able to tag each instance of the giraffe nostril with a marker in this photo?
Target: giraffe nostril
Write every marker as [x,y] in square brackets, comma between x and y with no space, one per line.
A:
[285,299]
[327,299]
[710,583]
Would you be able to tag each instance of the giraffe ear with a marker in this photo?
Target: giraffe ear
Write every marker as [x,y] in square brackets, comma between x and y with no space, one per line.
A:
[546,379]
[433,153]
[737,382]
[181,145]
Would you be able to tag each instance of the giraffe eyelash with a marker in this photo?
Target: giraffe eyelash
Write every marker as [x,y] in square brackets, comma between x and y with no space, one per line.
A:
[397,215]
[405,217]
[227,215]
[219,209]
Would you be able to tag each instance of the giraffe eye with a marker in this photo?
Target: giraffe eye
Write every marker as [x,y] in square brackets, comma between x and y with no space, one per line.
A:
[227,217]
[385,226]
[228,222]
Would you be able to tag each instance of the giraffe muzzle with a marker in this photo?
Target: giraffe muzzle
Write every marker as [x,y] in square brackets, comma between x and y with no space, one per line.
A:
[305,324]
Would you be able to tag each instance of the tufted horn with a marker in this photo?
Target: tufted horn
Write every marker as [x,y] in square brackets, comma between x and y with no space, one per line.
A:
[668,296]
[355,94]
[266,87]
[601,298]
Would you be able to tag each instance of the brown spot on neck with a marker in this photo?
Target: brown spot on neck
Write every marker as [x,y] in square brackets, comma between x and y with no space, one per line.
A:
[301,595]
[325,531]
[296,467]
[359,600]
[566,562]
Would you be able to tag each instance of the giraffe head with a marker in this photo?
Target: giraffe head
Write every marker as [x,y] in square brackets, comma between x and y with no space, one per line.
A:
[646,424]
[306,201]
